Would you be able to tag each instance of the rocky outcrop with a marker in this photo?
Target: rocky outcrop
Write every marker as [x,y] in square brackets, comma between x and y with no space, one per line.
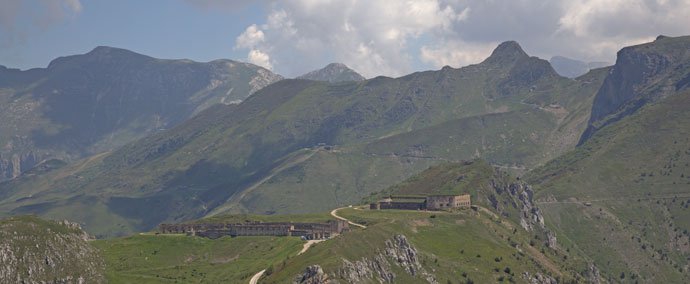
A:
[313,274]
[520,196]
[398,251]
[642,74]
[13,166]
[38,251]
[592,274]
[539,278]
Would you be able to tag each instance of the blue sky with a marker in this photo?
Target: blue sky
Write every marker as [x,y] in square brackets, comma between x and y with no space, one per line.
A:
[176,29]
[374,37]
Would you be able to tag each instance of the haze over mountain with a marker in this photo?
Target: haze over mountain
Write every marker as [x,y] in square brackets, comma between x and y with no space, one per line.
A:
[334,72]
[262,155]
[84,104]
[572,68]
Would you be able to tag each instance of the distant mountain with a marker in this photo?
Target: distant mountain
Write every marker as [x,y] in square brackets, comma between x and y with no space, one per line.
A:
[85,104]
[572,68]
[305,146]
[334,72]
[643,73]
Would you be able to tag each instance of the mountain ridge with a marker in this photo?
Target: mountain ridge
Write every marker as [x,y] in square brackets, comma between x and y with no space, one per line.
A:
[88,103]
[333,72]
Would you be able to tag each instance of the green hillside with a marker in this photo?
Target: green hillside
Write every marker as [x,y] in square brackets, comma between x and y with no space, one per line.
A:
[85,104]
[621,197]
[262,156]
[487,245]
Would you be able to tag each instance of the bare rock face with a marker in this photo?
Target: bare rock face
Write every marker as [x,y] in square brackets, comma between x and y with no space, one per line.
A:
[592,274]
[313,274]
[539,278]
[398,251]
[39,251]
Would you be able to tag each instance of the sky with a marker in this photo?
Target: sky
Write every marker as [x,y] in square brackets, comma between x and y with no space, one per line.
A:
[374,37]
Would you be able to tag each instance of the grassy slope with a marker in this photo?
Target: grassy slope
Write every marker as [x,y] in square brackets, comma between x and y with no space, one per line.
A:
[449,244]
[635,175]
[182,259]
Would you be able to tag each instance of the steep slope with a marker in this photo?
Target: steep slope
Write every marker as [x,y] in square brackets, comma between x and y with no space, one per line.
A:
[621,197]
[85,104]
[572,68]
[300,146]
[642,74]
[334,72]
[38,251]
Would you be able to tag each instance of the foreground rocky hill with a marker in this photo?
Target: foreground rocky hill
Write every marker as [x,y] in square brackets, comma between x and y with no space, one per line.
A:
[85,104]
[305,146]
[38,251]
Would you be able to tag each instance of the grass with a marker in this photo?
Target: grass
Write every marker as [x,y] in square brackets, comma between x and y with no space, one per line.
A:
[183,259]
[633,174]
[450,245]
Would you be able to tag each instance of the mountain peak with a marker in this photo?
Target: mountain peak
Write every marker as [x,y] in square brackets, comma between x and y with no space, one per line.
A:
[508,51]
[333,72]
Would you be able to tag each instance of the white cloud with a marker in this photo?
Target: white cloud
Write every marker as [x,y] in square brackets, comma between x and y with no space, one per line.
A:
[395,37]
[372,37]
[455,53]
[251,37]
[260,58]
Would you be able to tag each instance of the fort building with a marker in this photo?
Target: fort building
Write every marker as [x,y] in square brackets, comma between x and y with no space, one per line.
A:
[309,231]
[431,202]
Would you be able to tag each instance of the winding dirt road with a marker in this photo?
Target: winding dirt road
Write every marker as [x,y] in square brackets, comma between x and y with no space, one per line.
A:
[334,213]
[256,277]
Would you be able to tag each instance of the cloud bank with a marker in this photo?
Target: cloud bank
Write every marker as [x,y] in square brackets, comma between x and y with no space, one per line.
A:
[395,37]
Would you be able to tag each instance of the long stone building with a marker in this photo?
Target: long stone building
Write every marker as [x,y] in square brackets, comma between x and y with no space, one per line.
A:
[432,202]
[308,231]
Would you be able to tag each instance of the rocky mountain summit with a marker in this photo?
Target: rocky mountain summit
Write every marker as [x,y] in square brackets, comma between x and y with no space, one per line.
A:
[334,72]
[84,104]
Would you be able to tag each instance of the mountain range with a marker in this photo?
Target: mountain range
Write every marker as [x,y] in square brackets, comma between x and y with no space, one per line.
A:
[307,146]
[573,180]
[87,104]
